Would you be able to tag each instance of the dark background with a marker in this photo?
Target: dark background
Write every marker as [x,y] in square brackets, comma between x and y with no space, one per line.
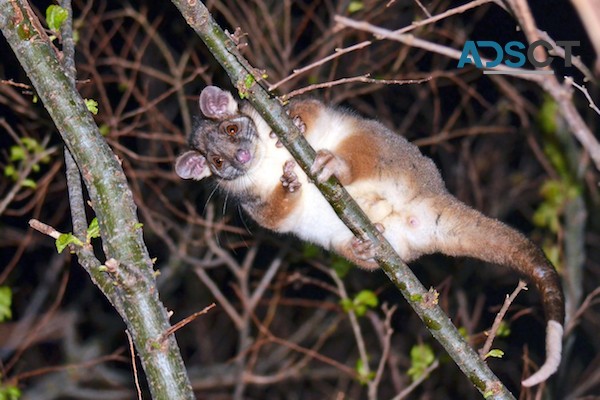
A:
[486,134]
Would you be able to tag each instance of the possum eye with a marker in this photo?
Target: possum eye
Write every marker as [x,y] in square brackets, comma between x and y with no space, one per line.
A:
[218,161]
[231,129]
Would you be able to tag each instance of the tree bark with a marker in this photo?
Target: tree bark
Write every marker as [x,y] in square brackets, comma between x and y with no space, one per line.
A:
[247,80]
[130,282]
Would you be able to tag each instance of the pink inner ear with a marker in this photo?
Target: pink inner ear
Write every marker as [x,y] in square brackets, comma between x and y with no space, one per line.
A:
[191,165]
[213,102]
[216,103]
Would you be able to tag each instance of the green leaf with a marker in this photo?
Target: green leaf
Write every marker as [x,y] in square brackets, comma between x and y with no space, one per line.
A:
[416,297]
[355,6]
[10,393]
[421,357]
[364,375]
[104,129]
[556,154]
[552,252]
[55,16]
[347,305]
[92,105]
[66,239]
[29,183]
[93,231]
[249,81]
[366,297]
[547,216]
[17,153]
[548,115]
[32,145]
[364,300]
[556,194]
[504,329]
[497,353]
[341,266]
[5,303]
[310,251]
[10,172]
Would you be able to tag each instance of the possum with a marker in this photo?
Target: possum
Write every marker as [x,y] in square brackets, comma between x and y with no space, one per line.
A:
[398,188]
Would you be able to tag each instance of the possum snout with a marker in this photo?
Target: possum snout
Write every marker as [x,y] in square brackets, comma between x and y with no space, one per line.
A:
[243,156]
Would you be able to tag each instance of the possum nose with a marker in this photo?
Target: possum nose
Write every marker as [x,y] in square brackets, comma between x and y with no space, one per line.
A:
[243,156]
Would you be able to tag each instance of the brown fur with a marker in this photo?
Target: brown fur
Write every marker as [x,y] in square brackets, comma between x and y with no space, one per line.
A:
[396,186]
[273,212]
[307,110]
[362,163]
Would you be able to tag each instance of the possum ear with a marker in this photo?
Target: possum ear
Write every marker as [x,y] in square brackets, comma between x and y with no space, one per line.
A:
[192,165]
[216,103]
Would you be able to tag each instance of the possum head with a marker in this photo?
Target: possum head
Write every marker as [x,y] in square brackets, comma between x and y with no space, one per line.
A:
[223,144]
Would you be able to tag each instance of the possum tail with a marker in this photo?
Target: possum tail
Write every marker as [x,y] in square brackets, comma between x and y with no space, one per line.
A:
[469,233]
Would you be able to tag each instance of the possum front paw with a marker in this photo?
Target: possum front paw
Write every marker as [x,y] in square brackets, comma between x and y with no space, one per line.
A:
[363,249]
[289,179]
[297,120]
[278,143]
[299,124]
[327,164]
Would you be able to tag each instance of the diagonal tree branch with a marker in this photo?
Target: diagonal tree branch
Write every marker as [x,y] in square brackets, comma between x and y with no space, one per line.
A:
[130,283]
[245,78]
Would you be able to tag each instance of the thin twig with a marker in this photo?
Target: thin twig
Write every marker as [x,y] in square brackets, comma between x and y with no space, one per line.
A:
[134,365]
[184,322]
[385,352]
[418,381]
[32,333]
[569,80]
[338,53]
[43,228]
[69,367]
[585,304]
[491,334]
[25,168]
[524,16]
[363,78]
[358,336]
[434,18]
[422,7]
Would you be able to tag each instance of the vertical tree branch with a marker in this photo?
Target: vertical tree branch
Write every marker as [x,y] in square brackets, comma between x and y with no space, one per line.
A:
[245,79]
[131,285]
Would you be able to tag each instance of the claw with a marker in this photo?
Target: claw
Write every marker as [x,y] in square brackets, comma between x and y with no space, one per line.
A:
[362,249]
[289,179]
[324,166]
[299,123]
[278,143]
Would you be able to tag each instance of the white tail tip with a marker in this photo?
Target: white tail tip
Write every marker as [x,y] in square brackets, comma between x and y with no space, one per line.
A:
[554,334]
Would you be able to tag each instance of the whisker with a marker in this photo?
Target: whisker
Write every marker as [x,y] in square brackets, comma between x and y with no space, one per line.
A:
[243,219]
[212,193]
[224,210]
